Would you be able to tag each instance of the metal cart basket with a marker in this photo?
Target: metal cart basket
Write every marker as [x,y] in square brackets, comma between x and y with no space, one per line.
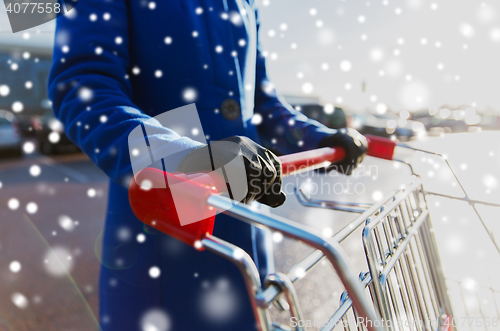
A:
[403,288]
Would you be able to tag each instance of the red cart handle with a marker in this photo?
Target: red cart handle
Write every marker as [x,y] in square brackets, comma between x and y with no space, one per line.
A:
[379,147]
[155,204]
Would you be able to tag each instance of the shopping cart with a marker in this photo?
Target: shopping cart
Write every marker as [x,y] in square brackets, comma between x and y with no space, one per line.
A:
[403,288]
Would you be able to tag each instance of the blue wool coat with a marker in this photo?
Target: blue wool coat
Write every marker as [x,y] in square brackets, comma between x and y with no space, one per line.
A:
[116,64]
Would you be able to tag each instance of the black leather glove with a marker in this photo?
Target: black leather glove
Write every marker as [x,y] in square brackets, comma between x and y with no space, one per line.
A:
[354,144]
[261,167]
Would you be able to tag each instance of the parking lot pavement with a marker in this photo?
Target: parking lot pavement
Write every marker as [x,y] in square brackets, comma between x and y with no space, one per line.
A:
[55,227]
[52,211]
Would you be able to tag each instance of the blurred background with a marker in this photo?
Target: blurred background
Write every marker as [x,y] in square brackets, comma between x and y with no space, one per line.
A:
[401,69]
[420,71]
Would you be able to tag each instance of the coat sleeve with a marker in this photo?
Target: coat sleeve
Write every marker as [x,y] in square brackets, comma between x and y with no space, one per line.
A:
[283,128]
[91,93]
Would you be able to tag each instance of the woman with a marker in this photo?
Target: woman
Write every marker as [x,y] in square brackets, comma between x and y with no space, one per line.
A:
[120,63]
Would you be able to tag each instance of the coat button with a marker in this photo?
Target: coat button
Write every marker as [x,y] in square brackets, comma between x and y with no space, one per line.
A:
[230,109]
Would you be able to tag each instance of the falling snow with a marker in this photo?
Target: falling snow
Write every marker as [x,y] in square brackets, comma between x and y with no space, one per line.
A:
[15,266]
[58,261]
[154,272]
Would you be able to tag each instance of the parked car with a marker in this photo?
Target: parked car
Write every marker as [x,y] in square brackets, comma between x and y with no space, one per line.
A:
[25,127]
[10,139]
[456,120]
[386,125]
[51,136]
[332,117]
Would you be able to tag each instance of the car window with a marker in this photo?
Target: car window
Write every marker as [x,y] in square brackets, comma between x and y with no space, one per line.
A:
[4,121]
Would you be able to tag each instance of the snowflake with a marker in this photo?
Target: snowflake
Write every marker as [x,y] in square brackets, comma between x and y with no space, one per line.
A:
[85,94]
[15,266]
[31,207]
[328,108]
[376,54]
[91,192]
[467,30]
[17,106]
[54,137]
[28,147]
[256,119]
[495,34]
[124,234]
[154,272]
[141,238]
[300,273]
[381,108]
[189,94]
[35,170]
[307,88]
[19,300]
[377,195]
[58,261]
[219,303]
[235,18]
[4,90]
[66,223]
[155,320]
[345,66]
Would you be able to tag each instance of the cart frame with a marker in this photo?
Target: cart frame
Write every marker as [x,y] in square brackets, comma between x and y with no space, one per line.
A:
[404,281]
